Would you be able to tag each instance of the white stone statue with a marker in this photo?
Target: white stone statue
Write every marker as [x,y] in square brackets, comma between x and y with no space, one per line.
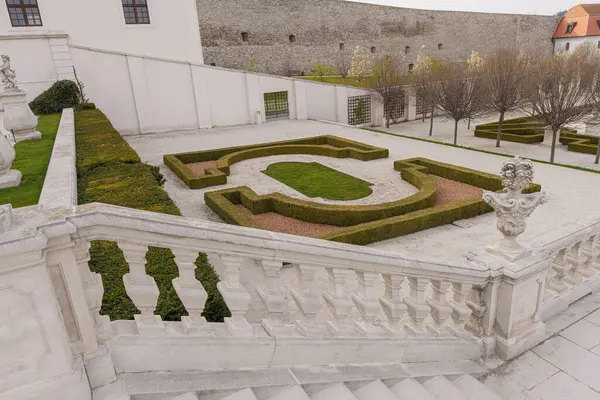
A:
[8,177]
[7,74]
[513,207]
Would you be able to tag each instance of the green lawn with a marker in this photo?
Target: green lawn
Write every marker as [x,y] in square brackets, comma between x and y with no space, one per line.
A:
[33,157]
[339,80]
[316,180]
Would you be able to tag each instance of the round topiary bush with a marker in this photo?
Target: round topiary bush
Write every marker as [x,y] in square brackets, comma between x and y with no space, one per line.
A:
[62,94]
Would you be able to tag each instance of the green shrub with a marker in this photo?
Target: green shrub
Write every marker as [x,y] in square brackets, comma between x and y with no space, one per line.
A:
[525,130]
[587,144]
[330,146]
[62,94]
[109,171]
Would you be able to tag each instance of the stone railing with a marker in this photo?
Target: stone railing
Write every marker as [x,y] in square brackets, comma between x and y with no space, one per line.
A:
[293,300]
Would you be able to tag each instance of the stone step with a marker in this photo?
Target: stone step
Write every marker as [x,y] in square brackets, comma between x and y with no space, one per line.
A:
[187,396]
[291,393]
[375,390]
[442,389]
[339,391]
[472,389]
[246,394]
[409,389]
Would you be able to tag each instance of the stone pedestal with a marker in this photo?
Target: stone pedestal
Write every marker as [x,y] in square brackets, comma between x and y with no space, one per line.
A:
[18,117]
[8,177]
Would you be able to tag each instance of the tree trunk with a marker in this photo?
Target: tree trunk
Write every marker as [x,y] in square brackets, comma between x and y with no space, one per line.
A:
[431,122]
[469,125]
[554,134]
[499,138]
[455,132]
[597,154]
[387,114]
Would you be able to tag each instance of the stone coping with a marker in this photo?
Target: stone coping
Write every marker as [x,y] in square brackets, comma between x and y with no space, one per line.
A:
[60,185]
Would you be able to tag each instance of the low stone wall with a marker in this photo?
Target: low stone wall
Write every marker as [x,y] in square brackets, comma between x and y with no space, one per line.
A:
[60,185]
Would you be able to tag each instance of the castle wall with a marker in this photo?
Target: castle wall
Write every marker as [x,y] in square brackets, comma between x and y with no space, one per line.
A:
[319,26]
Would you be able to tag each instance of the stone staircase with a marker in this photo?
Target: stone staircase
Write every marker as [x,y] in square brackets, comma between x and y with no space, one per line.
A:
[465,387]
[419,381]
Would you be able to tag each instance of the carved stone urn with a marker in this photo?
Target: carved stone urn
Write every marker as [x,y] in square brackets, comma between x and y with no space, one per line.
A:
[8,177]
[513,207]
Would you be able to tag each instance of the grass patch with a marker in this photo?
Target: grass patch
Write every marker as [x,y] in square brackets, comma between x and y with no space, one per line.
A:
[111,172]
[347,81]
[33,157]
[316,180]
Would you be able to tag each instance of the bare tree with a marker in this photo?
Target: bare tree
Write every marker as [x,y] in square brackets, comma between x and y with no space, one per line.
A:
[594,60]
[343,64]
[386,82]
[457,93]
[559,89]
[503,77]
[424,80]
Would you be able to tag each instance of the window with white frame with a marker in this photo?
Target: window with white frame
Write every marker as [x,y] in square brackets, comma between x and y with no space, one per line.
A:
[136,12]
[24,12]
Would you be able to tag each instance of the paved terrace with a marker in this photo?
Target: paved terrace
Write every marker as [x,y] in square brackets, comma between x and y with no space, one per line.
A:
[572,194]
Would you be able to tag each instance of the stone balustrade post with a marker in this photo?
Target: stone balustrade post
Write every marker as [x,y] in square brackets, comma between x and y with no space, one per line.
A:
[272,297]
[141,289]
[586,256]
[393,305]
[595,261]
[440,309]
[476,304]
[235,296]
[460,311]
[307,299]
[338,300]
[190,291]
[417,307]
[561,267]
[367,303]
[94,290]
[573,260]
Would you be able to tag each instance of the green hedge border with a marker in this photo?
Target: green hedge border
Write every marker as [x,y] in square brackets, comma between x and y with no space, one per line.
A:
[587,144]
[327,145]
[391,224]
[109,171]
[526,130]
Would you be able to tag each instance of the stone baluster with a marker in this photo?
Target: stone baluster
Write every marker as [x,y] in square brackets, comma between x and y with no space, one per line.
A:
[338,300]
[476,304]
[460,310]
[417,306]
[307,299]
[94,290]
[272,297]
[393,305]
[586,253]
[440,309]
[366,303]
[560,267]
[573,260]
[236,297]
[595,261]
[141,289]
[190,292]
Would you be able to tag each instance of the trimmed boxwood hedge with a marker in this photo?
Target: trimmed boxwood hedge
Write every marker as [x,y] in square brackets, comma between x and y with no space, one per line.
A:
[331,146]
[525,130]
[391,223]
[109,171]
[587,144]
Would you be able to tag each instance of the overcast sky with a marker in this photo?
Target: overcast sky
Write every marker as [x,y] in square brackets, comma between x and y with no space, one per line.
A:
[547,7]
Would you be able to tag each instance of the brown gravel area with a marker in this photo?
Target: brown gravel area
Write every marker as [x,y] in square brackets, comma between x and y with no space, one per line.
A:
[449,191]
[278,223]
[199,167]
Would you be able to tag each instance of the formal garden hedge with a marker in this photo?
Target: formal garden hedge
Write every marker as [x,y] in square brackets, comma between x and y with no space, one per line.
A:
[587,144]
[368,224]
[525,130]
[327,145]
[109,171]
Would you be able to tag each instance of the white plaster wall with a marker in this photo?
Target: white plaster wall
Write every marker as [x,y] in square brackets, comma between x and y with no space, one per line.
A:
[33,77]
[575,42]
[173,32]
[321,101]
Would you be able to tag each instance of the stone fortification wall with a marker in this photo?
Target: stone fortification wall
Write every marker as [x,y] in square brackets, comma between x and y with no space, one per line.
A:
[288,35]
